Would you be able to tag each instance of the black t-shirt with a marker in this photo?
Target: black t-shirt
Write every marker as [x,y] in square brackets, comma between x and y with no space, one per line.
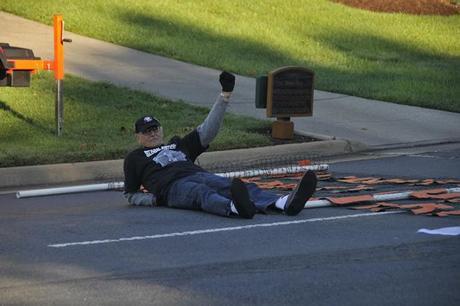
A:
[156,168]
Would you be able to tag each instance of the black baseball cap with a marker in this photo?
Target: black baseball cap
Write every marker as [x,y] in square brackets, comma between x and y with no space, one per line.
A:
[145,122]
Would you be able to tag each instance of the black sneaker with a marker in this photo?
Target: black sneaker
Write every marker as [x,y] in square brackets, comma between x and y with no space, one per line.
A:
[240,196]
[300,195]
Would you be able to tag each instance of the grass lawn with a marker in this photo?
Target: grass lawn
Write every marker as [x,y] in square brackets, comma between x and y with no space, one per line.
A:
[402,58]
[98,122]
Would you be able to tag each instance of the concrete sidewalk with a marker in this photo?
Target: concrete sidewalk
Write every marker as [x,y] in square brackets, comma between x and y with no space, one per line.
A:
[374,123]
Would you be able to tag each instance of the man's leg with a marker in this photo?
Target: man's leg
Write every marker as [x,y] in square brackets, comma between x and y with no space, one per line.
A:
[291,204]
[233,189]
[261,198]
[296,200]
[241,202]
[190,193]
[198,191]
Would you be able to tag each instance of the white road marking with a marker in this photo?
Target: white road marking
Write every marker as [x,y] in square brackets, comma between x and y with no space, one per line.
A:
[215,230]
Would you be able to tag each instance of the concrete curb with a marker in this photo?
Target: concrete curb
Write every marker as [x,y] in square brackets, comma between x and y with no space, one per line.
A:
[112,170]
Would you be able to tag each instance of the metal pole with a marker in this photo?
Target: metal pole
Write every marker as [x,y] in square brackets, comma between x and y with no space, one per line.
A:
[59,107]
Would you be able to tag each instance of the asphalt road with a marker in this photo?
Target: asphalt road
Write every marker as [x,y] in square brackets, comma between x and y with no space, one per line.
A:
[93,249]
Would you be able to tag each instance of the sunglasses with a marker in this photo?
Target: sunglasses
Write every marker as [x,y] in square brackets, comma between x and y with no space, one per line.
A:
[151,129]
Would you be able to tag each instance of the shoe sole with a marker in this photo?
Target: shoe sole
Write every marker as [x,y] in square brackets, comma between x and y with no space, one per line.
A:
[304,190]
[241,200]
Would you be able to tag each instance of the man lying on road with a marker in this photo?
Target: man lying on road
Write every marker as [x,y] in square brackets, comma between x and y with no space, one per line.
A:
[168,173]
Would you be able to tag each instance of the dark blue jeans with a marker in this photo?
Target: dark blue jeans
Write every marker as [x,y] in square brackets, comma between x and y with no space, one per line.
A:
[211,193]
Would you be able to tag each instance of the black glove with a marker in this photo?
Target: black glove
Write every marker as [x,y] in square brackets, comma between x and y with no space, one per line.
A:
[227,80]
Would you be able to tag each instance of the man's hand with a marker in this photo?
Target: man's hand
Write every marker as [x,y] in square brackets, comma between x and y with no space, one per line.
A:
[227,80]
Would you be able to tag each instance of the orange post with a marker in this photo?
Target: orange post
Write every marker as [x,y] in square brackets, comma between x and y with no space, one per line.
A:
[58,47]
[59,72]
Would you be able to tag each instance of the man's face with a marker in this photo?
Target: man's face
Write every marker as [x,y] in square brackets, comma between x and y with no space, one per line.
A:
[151,137]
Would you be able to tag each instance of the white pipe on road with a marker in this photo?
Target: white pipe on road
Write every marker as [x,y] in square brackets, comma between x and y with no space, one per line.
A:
[119,185]
[69,189]
[274,171]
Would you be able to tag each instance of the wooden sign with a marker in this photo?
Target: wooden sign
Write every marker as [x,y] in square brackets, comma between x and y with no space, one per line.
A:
[290,92]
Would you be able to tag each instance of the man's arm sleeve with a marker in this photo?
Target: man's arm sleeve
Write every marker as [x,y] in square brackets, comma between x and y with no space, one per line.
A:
[132,179]
[208,130]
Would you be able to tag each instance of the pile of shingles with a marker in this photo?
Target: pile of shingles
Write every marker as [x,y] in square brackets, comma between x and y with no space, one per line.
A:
[399,181]
[436,206]
[436,202]
[283,182]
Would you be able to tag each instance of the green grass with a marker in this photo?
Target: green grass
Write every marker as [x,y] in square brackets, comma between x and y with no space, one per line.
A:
[402,58]
[98,123]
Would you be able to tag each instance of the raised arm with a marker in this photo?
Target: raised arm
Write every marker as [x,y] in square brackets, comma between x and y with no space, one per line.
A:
[209,129]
